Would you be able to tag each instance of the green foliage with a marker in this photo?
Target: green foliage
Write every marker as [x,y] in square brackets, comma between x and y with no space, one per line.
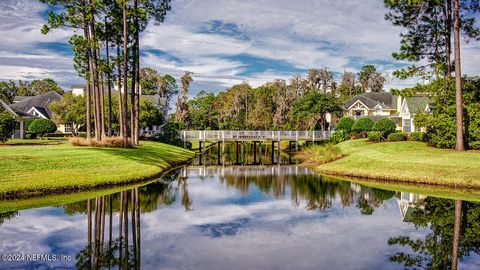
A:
[38,87]
[150,115]
[153,83]
[339,136]
[30,136]
[363,125]
[7,126]
[385,126]
[474,145]
[418,136]
[397,137]
[375,136]
[170,134]
[309,110]
[440,125]
[42,126]
[345,124]
[200,110]
[7,91]
[70,110]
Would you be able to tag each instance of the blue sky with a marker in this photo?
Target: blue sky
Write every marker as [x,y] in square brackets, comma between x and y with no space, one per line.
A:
[224,42]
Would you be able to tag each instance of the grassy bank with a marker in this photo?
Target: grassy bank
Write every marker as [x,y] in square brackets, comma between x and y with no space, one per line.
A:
[34,141]
[412,162]
[33,170]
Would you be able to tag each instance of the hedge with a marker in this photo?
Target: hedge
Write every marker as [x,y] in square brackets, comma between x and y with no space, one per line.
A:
[363,125]
[397,137]
[375,136]
[385,125]
[339,136]
[345,124]
[418,136]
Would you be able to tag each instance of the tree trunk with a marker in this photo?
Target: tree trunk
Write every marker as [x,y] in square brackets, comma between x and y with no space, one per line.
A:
[133,95]
[458,80]
[125,75]
[94,65]
[120,236]
[137,83]
[87,90]
[138,227]
[456,233]
[119,86]
[109,83]
[448,36]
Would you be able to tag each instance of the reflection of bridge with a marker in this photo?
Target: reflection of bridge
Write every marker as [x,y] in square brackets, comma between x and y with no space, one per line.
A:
[244,135]
[205,171]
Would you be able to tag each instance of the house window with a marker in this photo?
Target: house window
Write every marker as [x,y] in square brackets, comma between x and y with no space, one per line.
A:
[407,125]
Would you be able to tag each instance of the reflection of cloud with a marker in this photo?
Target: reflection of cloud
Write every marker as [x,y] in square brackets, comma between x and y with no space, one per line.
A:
[223,229]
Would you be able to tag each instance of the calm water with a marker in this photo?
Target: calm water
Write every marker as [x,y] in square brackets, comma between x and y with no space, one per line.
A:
[244,217]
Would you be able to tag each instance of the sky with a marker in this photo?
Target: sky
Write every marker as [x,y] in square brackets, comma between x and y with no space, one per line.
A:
[225,42]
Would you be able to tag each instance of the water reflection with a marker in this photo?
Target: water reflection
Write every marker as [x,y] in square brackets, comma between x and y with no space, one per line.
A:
[253,217]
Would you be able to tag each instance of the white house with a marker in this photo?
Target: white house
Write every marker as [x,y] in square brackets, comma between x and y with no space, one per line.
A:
[410,106]
[378,105]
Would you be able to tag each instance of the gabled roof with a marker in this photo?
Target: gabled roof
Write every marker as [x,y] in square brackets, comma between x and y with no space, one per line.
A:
[416,104]
[19,98]
[371,99]
[40,101]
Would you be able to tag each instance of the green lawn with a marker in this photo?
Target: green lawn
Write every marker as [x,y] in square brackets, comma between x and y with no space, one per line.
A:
[413,162]
[34,141]
[30,170]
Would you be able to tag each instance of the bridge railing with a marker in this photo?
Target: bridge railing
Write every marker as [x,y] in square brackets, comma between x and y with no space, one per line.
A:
[261,135]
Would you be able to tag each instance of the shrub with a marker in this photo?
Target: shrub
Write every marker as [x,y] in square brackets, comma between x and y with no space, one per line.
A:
[375,136]
[42,126]
[7,126]
[170,134]
[339,136]
[354,136]
[114,142]
[418,136]
[345,124]
[30,136]
[474,145]
[56,135]
[320,154]
[397,137]
[385,125]
[363,125]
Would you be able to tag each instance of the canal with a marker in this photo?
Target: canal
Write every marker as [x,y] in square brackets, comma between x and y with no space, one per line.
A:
[232,209]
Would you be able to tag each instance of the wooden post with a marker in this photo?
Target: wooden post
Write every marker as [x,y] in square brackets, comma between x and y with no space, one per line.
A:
[218,153]
[273,152]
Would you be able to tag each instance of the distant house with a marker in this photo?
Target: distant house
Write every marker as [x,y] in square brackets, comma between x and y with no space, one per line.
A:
[369,104]
[408,203]
[20,117]
[24,108]
[378,105]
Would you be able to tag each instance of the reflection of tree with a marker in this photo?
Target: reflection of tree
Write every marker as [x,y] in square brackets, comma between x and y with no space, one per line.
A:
[316,191]
[122,252]
[183,186]
[7,216]
[151,197]
[455,233]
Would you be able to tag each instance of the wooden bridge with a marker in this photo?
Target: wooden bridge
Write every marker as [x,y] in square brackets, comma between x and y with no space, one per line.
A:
[250,135]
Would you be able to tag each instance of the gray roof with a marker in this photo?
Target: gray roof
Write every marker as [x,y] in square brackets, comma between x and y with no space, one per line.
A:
[372,99]
[416,104]
[77,86]
[19,98]
[41,101]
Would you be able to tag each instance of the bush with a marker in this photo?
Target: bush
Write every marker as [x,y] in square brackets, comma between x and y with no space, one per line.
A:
[56,135]
[170,134]
[375,136]
[474,145]
[114,142]
[362,125]
[385,125]
[7,126]
[320,154]
[397,137]
[418,136]
[42,126]
[30,136]
[339,136]
[345,124]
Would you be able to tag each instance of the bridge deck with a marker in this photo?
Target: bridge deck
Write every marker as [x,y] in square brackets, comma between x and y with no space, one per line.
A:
[247,135]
